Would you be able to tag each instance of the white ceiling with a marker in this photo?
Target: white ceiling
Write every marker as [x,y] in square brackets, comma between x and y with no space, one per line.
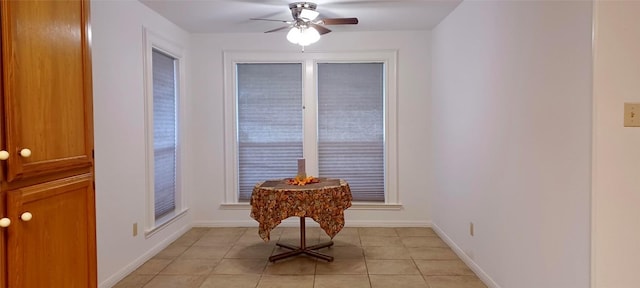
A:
[232,16]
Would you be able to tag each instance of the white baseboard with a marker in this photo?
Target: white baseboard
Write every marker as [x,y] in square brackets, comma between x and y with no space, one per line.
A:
[124,272]
[391,223]
[472,264]
[294,222]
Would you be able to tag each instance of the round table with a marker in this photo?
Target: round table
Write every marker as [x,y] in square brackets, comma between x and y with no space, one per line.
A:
[274,200]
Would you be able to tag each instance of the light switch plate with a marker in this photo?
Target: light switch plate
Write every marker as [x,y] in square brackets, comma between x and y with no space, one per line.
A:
[631,114]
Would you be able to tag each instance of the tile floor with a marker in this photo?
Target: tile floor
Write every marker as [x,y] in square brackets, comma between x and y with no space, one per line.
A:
[364,258]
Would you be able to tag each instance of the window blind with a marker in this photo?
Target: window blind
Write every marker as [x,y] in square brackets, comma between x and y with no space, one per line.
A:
[351,126]
[164,132]
[269,109]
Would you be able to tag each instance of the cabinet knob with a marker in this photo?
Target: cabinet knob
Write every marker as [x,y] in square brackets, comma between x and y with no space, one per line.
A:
[5,222]
[4,155]
[26,216]
[25,152]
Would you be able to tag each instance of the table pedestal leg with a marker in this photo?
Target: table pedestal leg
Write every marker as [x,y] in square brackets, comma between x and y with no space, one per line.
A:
[303,249]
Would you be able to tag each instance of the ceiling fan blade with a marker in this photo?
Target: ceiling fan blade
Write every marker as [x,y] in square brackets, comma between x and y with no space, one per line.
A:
[321,29]
[339,21]
[274,20]
[278,29]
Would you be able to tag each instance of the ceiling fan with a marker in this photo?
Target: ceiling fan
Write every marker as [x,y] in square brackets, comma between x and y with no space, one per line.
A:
[305,28]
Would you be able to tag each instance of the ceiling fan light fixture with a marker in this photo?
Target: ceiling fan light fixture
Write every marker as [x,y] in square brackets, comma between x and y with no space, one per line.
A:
[303,36]
[306,28]
[309,36]
[294,35]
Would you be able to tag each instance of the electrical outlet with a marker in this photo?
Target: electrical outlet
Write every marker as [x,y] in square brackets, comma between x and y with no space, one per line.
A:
[631,114]
[471,229]
[135,229]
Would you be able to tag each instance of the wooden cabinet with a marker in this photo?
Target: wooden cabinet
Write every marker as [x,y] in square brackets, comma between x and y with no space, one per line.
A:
[46,128]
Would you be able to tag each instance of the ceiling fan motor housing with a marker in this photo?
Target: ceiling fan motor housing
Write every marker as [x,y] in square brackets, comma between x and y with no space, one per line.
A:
[297,7]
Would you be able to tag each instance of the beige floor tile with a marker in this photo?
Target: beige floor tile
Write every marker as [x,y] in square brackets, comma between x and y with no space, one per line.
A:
[286,281]
[349,231]
[454,282]
[205,252]
[377,231]
[345,232]
[190,267]
[226,231]
[295,239]
[279,230]
[346,240]
[173,281]
[231,281]
[380,241]
[310,232]
[342,266]
[314,230]
[260,251]
[240,266]
[432,253]
[217,240]
[443,267]
[186,241]
[172,251]
[134,281]
[390,252]
[321,238]
[423,241]
[343,252]
[342,281]
[415,231]
[400,281]
[392,267]
[153,266]
[292,266]
[251,239]
[190,237]
[251,231]
[200,229]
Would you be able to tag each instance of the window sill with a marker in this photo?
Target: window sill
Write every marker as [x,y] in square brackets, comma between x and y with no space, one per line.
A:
[149,233]
[354,206]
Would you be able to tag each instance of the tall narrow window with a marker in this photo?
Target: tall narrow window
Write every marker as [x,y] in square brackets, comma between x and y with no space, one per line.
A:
[269,112]
[164,132]
[351,126]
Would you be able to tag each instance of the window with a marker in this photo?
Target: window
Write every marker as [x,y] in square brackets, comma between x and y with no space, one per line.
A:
[333,109]
[269,123]
[163,77]
[351,126]
[164,133]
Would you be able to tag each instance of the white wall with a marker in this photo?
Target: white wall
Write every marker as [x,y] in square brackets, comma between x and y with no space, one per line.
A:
[206,80]
[512,140]
[117,48]
[616,174]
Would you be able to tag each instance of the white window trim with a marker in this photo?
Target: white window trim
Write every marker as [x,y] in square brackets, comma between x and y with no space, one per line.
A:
[153,40]
[309,61]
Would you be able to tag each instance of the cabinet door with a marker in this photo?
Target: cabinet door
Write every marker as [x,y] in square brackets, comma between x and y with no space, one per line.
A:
[3,244]
[46,86]
[56,247]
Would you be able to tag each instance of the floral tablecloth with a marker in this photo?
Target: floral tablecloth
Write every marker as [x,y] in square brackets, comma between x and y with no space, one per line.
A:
[273,201]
